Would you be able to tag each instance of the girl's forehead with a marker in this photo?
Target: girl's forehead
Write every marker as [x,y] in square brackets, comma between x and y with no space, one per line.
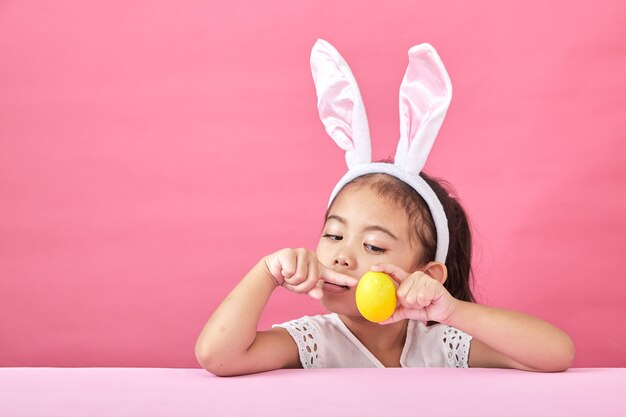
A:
[363,205]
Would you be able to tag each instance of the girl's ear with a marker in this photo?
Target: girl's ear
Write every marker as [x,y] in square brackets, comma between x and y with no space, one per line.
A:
[340,104]
[437,271]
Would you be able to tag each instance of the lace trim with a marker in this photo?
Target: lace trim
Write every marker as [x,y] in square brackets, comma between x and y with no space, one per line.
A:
[456,346]
[306,336]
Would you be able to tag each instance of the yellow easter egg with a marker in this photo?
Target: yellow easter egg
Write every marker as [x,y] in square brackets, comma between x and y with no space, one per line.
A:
[376,296]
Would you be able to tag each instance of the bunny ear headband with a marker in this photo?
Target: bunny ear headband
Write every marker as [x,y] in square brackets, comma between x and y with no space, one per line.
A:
[425,95]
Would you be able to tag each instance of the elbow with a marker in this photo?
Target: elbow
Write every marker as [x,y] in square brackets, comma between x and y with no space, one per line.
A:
[207,360]
[564,359]
[569,353]
[212,362]
[212,366]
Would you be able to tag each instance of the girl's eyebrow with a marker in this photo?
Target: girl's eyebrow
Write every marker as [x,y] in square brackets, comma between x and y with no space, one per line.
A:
[365,229]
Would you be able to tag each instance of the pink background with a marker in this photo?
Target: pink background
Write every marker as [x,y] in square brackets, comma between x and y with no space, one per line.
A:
[151,152]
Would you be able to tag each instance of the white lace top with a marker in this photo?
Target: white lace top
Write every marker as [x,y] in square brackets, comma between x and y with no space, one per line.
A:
[324,341]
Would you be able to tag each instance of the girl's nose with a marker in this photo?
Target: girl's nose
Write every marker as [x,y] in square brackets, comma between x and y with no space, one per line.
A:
[344,261]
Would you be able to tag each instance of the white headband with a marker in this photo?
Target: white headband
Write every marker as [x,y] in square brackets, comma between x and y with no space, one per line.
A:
[425,94]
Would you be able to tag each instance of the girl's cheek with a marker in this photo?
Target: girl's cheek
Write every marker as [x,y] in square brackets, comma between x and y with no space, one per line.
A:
[322,253]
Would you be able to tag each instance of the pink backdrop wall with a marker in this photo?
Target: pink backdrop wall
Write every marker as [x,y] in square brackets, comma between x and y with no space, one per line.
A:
[151,152]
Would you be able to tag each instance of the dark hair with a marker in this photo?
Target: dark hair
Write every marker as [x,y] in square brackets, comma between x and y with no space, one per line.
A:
[458,260]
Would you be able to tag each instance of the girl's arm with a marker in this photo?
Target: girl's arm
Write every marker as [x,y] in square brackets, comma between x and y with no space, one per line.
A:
[509,339]
[229,343]
[501,338]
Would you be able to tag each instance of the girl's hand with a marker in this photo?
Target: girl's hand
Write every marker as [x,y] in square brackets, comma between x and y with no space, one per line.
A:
[299,271]
[420,297]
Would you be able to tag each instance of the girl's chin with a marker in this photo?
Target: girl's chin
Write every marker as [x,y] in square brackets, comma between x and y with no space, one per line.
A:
[340,304]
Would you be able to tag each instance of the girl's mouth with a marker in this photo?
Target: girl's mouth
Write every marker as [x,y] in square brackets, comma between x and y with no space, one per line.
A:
[329,287]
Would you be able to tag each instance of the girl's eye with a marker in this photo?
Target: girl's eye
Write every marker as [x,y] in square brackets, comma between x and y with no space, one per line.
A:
[374,248]
[333,237]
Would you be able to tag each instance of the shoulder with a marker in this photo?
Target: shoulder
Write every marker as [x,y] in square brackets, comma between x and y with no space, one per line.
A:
[310,334]
[310,326]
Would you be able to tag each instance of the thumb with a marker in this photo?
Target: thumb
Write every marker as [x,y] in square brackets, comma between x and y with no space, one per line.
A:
[403,313]
[316,293]
[400,313]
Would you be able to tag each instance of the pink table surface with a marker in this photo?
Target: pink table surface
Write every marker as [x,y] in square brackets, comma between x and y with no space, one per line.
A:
[322,392]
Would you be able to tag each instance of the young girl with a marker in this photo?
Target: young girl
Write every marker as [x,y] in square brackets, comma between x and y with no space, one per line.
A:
[386,217]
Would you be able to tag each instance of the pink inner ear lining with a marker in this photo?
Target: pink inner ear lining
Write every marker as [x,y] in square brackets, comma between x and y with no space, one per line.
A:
[425,95]
[340,104]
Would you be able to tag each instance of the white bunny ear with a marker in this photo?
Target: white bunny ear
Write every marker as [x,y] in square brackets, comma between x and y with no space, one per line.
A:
[340,104]
[425,95]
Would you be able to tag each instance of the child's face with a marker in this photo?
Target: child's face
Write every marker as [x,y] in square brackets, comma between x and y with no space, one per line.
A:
[361,230]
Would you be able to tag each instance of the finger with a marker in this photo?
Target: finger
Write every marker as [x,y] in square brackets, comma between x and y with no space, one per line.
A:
[338,278]
[288,264]
[401,313]
[302,270]
[428,294]
[311,280]
[396,273]
[408,294]
[409,300]
[405,288]
[316,293]
[314,271]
